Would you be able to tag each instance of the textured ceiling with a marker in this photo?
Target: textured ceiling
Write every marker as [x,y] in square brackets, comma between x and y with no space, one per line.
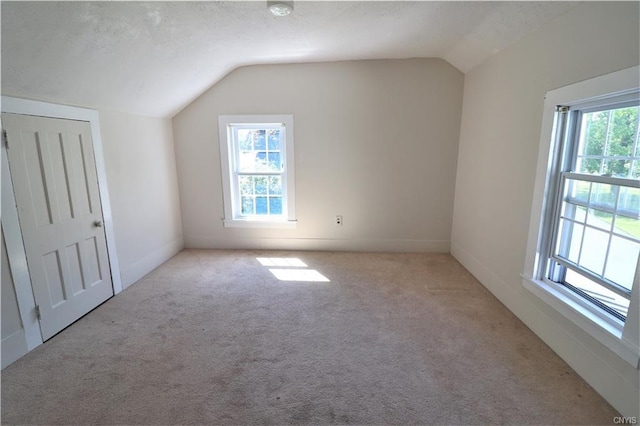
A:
[154,58]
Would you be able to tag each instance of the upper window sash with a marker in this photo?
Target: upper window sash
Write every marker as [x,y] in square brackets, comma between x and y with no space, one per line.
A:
[279,153]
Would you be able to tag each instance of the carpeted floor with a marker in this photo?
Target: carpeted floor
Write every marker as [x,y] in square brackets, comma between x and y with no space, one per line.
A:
[212,337]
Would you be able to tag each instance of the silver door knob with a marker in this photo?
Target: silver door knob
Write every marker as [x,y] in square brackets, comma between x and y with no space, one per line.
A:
[97,224]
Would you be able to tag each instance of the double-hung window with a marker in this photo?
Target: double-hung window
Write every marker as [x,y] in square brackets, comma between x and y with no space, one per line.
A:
[584,243]
[257,170]
[596,222]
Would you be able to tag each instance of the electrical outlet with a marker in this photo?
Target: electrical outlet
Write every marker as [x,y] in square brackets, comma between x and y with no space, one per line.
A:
[338,220]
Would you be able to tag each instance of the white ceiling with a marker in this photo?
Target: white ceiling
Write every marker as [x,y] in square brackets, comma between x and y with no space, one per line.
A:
[154,58]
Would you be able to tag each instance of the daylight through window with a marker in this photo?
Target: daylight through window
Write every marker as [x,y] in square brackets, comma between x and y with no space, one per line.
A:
[584,236]
[596,237]
[257,164]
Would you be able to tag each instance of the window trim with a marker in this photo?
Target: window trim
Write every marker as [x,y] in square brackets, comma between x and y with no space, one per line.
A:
[229,188]
[622,338]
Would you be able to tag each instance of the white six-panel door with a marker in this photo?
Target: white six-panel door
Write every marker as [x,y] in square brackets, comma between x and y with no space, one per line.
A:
[56,190]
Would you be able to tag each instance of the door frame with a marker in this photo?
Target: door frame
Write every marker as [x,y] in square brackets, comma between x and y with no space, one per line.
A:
[11,226]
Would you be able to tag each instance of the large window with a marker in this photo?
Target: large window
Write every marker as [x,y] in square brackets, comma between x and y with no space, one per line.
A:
[596,232]
[584,242]
[258,173]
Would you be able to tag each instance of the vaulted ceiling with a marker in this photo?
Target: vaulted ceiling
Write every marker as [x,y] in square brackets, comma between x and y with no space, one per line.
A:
[154,58]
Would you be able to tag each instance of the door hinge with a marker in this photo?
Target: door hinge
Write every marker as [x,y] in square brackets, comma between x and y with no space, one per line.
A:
[38,312]
[5,140]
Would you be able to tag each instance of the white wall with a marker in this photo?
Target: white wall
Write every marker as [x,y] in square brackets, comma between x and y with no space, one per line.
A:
[141,172]
[375,142]
[500,132]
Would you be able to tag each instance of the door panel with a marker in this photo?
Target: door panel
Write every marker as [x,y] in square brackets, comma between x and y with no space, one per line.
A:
[56,189]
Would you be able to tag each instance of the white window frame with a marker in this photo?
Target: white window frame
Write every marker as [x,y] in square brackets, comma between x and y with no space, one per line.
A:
[230,175]
[623,338]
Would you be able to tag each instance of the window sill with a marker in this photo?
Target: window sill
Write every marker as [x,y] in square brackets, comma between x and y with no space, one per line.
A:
[253,223]
[606,332]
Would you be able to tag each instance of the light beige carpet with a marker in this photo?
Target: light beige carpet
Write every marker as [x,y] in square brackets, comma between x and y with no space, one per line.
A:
[212,337]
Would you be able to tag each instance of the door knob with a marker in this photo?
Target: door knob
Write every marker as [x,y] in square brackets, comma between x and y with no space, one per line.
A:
[97,224]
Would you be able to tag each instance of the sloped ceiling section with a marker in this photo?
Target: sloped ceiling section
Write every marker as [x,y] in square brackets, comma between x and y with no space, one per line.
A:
[154,58]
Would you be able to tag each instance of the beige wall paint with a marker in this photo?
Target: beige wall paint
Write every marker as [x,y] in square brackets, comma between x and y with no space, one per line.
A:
[500,131]
[375,142]
[145,206]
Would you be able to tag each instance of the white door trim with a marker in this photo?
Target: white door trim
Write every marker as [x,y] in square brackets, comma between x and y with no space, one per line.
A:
[44,109]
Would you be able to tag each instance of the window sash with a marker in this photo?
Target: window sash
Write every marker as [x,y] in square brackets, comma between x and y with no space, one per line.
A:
[238,197]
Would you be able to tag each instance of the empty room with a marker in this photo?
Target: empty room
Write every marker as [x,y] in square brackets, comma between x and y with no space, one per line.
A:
[320,212]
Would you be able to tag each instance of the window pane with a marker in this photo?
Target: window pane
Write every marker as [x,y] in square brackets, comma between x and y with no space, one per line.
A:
[261,205]
[247,206]
[594,250]
[275,185]
[246,185]
[623,132]
[570,238]
[581,214]
[245,139]
[274,161]
[274,140]
[600,219]
[627,226]
[603,196]
[275,205]
[571,211]
[596,133]
[590,166]
[621,264]
[629,202]
[247,161]
[259,140]
[617,168]
[261,185]
[578,191]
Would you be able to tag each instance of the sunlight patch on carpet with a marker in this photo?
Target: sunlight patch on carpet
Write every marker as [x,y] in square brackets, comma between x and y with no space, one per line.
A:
[310,275]
[281,261]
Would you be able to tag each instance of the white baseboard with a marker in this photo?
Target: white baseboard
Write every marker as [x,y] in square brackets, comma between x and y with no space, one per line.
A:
[150,262]
[13,347]
[319,244]
[584,354]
